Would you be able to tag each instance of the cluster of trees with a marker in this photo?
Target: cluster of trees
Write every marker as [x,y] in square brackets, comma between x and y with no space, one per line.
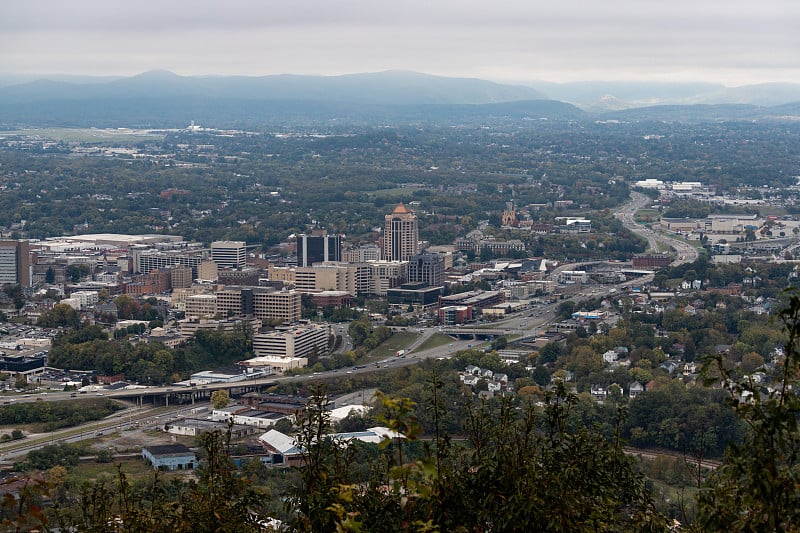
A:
[358,173]
[54,415]
[528,461]
[329,313]
[132,309]
[61,315]
[89,348]
[365,336]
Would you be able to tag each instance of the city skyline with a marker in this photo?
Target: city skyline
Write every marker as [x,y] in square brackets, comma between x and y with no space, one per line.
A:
[733,43]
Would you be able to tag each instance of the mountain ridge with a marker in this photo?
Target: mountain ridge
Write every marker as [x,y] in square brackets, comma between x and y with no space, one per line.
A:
[164,99]
[388,87]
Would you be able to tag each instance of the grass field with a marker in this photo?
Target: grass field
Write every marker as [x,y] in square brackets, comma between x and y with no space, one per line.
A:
[134,468]
[398,341]
[434,341]
[86,135]
[646,215]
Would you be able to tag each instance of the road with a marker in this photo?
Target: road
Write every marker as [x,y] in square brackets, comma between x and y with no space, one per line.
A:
[685,252]
[117,421]
[529,322]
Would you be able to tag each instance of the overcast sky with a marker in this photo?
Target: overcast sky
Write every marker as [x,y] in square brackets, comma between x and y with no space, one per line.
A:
[729,41]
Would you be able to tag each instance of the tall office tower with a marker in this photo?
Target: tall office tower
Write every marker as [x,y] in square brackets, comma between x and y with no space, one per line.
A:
[229,254]
[400,234]
[15,263]
[319,247]
[426,268]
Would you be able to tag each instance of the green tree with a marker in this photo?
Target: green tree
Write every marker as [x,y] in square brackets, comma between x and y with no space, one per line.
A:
[756,488]
[61,315]
[76,271]
[549,353]
[220,399]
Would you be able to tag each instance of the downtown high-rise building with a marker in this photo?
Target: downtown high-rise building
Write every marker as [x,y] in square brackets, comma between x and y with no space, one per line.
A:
[319,247]
[15,263]
[427,269]
[400,234]
[229,254]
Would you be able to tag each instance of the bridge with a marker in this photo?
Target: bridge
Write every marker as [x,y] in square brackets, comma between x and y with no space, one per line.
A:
[477,333]
[177,394]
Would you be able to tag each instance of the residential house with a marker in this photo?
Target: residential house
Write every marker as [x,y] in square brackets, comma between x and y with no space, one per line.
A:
[472,369]
[598,393]
[635,389]
[610,356]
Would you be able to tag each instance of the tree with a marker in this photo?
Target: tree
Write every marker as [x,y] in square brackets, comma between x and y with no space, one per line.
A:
[50,275]
[61,315]
[756,487]
[76,271]
[541,375]
[549,353]
[220,399]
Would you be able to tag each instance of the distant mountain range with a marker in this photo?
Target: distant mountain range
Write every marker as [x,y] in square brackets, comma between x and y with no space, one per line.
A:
[382,88]
[607,96]
[164,99]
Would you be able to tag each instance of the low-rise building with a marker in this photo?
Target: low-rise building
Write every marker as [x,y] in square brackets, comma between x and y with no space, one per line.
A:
[170,457]
[294,341]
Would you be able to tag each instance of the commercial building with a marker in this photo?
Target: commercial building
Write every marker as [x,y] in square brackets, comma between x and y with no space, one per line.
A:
[319,247]
[573,276]
[426,268]
[170,457]
[181,277]
[475,299]
[154,282]
[385,275]
[451,315]
[264,303]
[15,263]
[85,299]
[190,326]
[296,341]
[416,294]
[354,278]
[491,244]
[143,261]
[207,271]
[651,260]
[362,254]
[200,305]
[400,235]
[229,254]
[246,276]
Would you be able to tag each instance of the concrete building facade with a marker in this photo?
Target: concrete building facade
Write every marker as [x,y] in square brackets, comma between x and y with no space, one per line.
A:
[400,235]
[229,254]
[297,341]
[15,263]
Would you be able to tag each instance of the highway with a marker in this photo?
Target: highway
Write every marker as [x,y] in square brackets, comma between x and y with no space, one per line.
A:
[529,322]
[685,252]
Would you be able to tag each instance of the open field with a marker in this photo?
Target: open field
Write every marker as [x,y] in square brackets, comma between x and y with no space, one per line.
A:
[398,341]
[434,341]
[646,215]
[86,135]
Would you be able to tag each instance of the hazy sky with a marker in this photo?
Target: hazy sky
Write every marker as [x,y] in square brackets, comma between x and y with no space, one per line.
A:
[729,41]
